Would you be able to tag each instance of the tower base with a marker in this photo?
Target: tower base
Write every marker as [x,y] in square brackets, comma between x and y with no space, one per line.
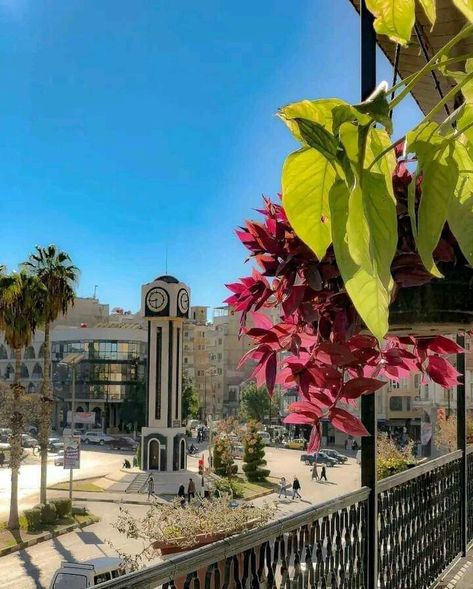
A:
[163,449]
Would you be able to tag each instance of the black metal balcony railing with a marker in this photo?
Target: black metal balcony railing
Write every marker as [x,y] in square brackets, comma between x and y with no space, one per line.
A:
[325,546]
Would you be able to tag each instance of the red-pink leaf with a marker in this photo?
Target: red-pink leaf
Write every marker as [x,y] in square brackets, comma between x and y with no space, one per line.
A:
[270,372]
[442,372]
[347,423]
[315,439]
[443,345]
[332,353]
[298,419]
[356,387]
[362,341]
[305,408]
[261,321]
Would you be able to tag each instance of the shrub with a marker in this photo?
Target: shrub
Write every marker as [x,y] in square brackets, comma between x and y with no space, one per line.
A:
[137,457]
[229,487]
[391,458]
[63,507]
[223,462]
[33,518]
[253,456]
[48,513]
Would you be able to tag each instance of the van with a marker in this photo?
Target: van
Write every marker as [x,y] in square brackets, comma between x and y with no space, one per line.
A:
[75,575]
[265,437]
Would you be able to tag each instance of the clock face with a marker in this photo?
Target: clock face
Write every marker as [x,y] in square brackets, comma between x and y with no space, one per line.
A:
[157,299]
[183,301]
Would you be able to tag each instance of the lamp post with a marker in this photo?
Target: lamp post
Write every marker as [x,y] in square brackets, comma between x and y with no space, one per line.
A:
[72,360]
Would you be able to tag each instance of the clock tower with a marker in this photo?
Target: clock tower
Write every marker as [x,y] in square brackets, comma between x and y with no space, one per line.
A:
[165,306]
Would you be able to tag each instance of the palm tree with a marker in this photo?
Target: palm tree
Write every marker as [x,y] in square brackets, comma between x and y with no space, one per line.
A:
[54,269]
[21,297]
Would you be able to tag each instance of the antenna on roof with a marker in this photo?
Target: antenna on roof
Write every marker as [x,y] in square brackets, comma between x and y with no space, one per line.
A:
[95,291]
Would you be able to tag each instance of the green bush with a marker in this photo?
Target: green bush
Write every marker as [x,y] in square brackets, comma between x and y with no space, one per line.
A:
[253,456]
[137,457]
[48,513]
[228,486]
[33,518]
[63,507]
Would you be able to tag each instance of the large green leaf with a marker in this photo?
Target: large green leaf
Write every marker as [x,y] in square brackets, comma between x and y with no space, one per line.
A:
[460,208]
[366,290]
[440,174]
[307,178]
[318,111]
[366,233]
[465,7]
[377,107]
[394,18]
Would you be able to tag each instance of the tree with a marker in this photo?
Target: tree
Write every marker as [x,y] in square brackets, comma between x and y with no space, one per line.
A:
[21,300]
[190,399]
[256,404]
[223,463]
[133,409]
[54,269]
[253,456]
[446,432]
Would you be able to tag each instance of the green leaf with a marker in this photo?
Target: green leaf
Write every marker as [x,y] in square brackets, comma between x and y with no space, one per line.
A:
[465,7]
[440,175]
[316,136]
[307,178]
[365,234]
[394,18]
[429,9]
[377,107]
[460,208]
[318,111]
[367,291]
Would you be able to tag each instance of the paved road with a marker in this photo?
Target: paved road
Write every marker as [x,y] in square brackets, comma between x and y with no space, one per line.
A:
[33,568]
[92,464]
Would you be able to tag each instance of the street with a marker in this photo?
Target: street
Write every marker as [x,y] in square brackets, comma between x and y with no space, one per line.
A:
[32,568]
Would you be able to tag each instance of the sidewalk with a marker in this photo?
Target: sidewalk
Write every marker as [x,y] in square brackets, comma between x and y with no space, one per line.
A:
[460,576]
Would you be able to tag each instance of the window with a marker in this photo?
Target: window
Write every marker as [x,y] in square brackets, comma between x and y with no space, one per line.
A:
[102,578]
[29,353]
[417,381]
[220,341]
[232,396]
[394,384]
[186,360]
[219,371]
[395,403]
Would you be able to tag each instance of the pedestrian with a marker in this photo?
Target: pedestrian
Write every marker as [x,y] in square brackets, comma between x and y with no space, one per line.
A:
[190,490]
[126,463]
[151,491]
[181,493]
[315,474]
[2,459]
[282,487]
[323,473]
[346,443]
[296,487]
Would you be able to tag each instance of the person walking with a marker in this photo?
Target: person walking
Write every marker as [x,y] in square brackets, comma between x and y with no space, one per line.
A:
[150,483]
[190,490]
[346,443]
[181,493]
[296,487]
[2,459]
[323,473]
[282,487]
[315,474]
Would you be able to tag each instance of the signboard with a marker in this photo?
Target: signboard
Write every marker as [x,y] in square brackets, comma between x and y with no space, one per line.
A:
[81,417]
[176,423]
[425,433]
[71,452]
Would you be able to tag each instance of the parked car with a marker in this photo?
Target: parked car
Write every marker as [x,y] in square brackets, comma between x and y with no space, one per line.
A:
[340,458]
[265,437]
[320,457]
[87,574]
[55,444]
[5,433]
[28,441]
[124,443]
[96,438]
[297,444]
[67,431]
[59,459]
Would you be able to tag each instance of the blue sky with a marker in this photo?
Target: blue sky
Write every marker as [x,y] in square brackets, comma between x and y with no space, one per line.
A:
[129,128]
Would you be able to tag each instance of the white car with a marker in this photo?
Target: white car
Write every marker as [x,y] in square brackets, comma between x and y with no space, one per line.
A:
[97,438]
[265,437]
[72,575]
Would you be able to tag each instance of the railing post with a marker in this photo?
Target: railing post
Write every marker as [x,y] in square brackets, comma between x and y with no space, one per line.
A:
[461,441]
[368,402]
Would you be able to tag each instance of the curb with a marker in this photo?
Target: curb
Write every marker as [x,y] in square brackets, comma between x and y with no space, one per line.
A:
[43,538]
[262,494]
[100,500]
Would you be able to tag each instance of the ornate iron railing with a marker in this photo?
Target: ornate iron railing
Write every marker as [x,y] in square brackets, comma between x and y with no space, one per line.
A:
[470,493]
[320,547]
[419,523]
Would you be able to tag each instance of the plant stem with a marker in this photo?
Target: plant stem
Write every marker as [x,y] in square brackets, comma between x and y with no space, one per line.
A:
[450,94]
[385,151]
[432,63]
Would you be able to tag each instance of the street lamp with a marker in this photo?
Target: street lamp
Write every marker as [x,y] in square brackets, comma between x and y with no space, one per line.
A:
[72,360]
